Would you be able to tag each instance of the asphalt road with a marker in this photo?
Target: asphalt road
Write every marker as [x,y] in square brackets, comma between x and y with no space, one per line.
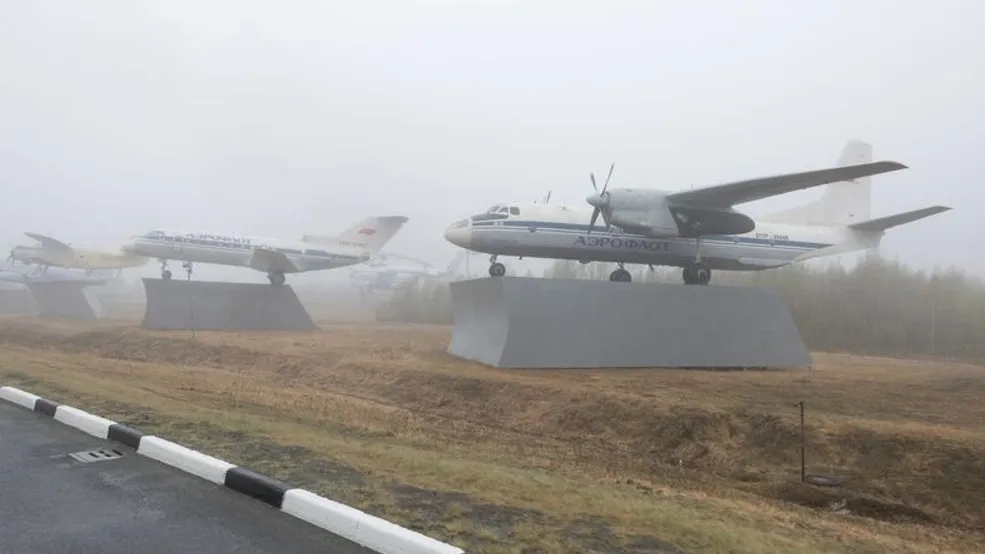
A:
[50,502]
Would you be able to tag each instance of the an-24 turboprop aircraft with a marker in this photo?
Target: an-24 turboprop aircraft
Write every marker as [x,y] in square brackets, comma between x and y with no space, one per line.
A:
[51,252]
[275,257]
[698,230]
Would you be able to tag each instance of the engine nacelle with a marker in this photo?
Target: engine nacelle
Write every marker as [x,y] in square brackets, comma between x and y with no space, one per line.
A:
[649,212]
[644,212]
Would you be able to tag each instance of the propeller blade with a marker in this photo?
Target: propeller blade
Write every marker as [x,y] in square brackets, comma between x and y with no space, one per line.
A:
[592,175]
[595,216]
[605,219]
[606,185]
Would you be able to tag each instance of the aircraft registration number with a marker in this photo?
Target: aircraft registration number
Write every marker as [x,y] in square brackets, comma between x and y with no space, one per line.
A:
[772,236]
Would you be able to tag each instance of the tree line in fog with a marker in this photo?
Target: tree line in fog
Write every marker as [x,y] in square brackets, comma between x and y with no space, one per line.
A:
[879,306]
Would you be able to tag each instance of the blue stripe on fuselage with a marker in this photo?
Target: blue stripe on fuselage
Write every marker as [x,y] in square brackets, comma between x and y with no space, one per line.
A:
[580,228]
[242,246]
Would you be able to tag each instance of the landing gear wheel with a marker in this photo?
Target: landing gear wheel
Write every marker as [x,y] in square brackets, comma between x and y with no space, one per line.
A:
[621,276]
[166,275]
[497,270]
[276,278]
[696,274]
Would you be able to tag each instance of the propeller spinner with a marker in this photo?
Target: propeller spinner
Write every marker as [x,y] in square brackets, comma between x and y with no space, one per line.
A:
[600,201]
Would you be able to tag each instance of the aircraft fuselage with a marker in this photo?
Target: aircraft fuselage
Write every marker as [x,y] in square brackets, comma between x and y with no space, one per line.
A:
[560,232]
[231,250]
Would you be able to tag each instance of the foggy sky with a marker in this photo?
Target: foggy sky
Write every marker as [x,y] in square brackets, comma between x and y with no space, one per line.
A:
[284,118]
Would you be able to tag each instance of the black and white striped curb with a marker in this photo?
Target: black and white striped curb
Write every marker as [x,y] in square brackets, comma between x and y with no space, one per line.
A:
[361,528]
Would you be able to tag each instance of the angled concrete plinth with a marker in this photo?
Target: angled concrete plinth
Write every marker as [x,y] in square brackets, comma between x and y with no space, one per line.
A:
[17,301]
[174,304]
[518,322]
[65,299]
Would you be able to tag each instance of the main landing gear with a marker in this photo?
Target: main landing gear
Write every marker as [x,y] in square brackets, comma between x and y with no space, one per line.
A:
[496,269]
[166,273]
[275,277]
[697,273]
[620,275]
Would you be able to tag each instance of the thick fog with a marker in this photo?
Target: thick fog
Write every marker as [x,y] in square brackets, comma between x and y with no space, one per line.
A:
[283,118]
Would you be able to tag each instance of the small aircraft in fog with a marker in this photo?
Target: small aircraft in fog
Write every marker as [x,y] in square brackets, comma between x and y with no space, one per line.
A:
[698,230]
[389,271]
[275,257]
[51,252]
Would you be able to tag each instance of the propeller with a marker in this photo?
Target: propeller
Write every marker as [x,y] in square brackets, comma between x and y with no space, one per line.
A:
[600,202]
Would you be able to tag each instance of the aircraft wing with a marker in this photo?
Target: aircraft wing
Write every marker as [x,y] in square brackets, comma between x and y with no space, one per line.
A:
[765,263]
[48,242]
[265,259]
[738,192]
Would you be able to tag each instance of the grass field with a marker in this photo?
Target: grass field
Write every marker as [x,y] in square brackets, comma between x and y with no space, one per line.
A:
[503,461]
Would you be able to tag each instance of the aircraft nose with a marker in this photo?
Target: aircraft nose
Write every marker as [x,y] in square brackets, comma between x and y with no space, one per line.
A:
[127,247]
[459,233]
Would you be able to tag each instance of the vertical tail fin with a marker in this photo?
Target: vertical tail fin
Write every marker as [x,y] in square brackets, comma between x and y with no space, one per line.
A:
[456,262]
[841,203]
[370,234]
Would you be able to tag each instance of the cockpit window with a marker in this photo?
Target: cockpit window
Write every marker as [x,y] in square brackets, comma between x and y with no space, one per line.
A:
[514,210]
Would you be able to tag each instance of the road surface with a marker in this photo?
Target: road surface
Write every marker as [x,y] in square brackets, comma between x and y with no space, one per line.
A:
[49,502]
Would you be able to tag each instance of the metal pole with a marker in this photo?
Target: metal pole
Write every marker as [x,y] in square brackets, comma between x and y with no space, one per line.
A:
[803,446]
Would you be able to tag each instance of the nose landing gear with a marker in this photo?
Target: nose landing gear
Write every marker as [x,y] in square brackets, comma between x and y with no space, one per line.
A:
[496,269]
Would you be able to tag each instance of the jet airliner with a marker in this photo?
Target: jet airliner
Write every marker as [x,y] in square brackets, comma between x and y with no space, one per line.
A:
[275,257]
[696,229]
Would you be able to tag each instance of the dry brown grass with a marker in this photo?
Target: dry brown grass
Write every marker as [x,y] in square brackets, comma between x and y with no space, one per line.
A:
[549,461]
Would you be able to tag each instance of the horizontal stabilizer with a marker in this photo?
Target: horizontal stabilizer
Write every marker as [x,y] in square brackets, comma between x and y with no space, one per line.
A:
[888,222]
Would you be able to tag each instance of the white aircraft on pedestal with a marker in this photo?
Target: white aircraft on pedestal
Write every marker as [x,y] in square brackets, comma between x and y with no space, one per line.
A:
[275,257]
[697,230]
